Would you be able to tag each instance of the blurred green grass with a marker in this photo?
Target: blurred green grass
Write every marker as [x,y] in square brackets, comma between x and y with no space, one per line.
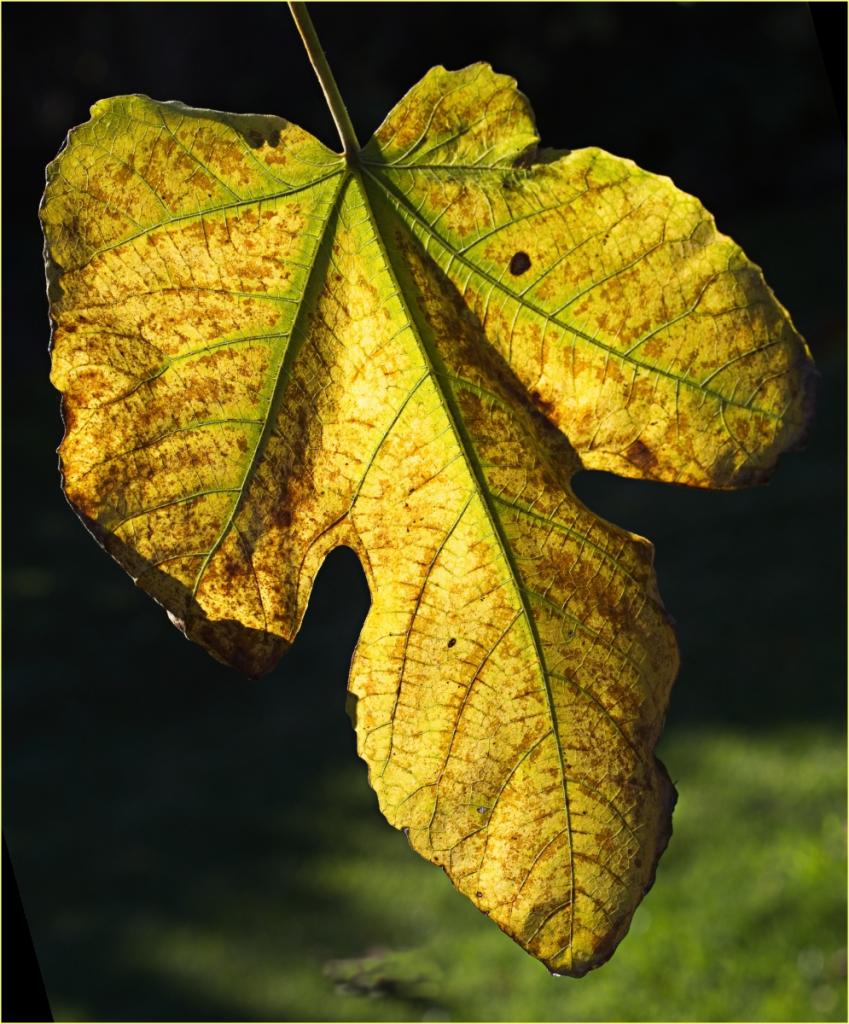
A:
[745,921]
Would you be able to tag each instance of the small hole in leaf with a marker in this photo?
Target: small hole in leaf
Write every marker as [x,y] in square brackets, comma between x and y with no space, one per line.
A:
[519,263]
[452,641]
[482,810]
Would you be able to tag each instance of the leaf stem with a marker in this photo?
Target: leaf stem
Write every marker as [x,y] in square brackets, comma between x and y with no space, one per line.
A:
[350,143]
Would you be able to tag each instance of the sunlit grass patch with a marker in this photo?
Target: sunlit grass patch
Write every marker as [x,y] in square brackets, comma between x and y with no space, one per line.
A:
[745,921]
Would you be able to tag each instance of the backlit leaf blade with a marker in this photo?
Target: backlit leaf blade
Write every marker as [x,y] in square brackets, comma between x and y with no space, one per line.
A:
[265,353]
[647,336]
[181,246]
[511,679]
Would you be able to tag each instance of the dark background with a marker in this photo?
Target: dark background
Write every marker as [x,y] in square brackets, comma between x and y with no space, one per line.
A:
[136,768]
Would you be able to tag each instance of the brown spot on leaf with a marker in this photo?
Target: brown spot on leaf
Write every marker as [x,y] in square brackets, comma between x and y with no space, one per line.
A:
[519,263]
[256,138]
[641,455]
[230,567]
[541,403]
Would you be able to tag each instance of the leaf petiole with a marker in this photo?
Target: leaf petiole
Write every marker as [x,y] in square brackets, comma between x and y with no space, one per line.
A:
[350,143]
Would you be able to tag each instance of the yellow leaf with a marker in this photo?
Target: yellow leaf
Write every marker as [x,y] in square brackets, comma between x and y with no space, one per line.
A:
[266,352]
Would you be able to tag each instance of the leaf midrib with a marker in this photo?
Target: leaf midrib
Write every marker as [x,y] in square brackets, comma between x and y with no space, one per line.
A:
[434,363]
